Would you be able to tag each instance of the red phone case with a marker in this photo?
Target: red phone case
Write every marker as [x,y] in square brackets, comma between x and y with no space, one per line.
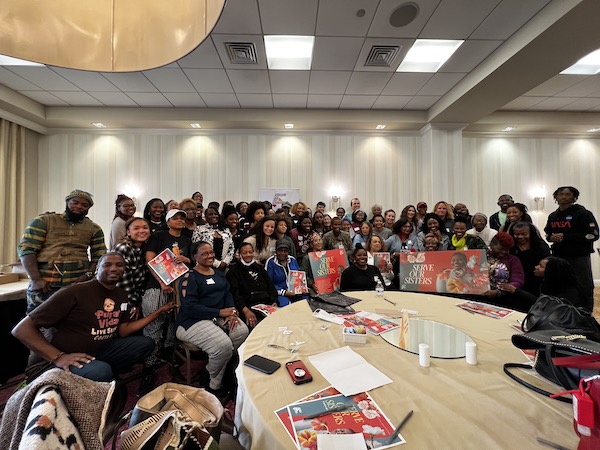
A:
[292,366]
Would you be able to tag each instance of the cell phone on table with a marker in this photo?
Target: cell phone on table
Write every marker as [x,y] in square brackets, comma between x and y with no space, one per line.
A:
[298,372]
[262,364]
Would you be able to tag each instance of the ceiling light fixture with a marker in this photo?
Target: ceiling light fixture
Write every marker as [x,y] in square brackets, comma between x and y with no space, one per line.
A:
[588,65]
[98,125]
[288,125]
[10,61]
[195,125]
[592,130]
[509,128]
[380,127]
[428,55]
[289,52]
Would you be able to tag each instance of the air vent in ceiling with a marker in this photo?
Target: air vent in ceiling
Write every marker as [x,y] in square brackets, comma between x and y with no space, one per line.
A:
[241,52]
[382,55]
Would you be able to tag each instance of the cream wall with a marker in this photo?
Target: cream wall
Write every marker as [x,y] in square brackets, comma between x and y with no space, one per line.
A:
[390,170]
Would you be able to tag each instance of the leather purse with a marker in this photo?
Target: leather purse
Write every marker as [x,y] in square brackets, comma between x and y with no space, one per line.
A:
[562,358]
[198,404]
[553,313]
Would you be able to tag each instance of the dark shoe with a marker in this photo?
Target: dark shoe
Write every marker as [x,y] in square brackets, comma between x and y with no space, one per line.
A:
[223,394]
[167,354]
[147,383]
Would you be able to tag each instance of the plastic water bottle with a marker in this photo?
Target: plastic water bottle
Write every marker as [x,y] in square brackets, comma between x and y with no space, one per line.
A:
[379,289]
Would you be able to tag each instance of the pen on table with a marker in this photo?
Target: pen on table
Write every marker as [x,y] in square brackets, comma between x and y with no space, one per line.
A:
[389,301]
[399,427]
[329,411]
[551,444]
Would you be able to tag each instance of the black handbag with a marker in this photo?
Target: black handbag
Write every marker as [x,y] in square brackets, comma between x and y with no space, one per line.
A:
[561,357]
[553,313]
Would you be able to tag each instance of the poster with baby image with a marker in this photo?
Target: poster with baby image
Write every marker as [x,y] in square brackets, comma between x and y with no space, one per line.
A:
[446,272]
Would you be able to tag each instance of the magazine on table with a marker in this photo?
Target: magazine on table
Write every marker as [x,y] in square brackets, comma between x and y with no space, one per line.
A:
[496,312]
[338,414]
[266,310]
[374,323]
[297,282]
[166,268]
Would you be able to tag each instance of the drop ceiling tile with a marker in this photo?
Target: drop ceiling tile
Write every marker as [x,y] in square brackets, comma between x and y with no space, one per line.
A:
[113,98]
[84,80]
[367,83]
[16,82]
[508,17]
[204,56]
[289,81]
[291,17]
[522,103]
[44,78]
[77,98]
[381,27]
[552,104]
[358,101]
[169,80]
[583,104]
[289,100]
[589,86]
[239,16]
[259,47]
[441,83]
[555,85]
[392,102]
[328,82]
[457,19]
[469,55]
[421,102]
[45,98]
[406,83]
[250,81]
[209,80]
[324,101]
[130,82]
[149,99]
[336,53]
[255,100]
[220,100]
[339,17]
[185,100]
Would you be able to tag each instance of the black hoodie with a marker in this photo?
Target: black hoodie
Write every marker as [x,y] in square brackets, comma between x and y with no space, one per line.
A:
[580,230]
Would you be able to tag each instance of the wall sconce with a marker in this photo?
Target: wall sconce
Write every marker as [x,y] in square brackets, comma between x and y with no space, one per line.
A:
[336,197]
[540,203]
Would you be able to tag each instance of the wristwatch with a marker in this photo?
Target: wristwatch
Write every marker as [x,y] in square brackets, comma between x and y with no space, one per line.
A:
[89,275]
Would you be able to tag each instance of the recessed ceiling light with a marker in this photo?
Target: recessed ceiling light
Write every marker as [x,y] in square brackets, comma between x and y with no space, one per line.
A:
[588,65]
[10,61]
[380,127]
[428,55]
[509,128]
[98,125]
[592,130]
[288,125]
[195,125]
[289,52]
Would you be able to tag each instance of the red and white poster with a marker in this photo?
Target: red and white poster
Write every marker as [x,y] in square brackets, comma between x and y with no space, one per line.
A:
[327,267]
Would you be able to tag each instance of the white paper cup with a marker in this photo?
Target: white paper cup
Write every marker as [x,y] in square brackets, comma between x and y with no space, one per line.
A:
[471,352]
[424,355]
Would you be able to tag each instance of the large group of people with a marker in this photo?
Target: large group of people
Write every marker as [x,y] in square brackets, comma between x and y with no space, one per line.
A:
[240,255]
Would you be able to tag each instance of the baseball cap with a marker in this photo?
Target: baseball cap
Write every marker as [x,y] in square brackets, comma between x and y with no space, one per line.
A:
[282,244]
[421,204]
[172,213]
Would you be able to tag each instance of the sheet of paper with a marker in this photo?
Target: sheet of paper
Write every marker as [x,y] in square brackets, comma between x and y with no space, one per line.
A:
[348,372]
[341,442]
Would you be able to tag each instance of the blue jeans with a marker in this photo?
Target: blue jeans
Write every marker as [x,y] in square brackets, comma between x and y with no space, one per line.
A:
[117,357]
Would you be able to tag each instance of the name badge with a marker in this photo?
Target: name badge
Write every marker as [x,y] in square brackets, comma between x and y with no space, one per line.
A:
[340,245]
[210,281]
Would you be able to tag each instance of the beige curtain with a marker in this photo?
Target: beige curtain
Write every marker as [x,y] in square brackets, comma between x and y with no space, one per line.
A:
[12,188]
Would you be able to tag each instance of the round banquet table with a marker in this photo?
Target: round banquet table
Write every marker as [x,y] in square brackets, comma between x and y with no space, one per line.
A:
[456,405]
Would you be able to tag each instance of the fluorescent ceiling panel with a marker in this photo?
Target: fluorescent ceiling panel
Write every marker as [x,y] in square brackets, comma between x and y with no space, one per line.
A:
[428,55]
[588,65]
[289,52]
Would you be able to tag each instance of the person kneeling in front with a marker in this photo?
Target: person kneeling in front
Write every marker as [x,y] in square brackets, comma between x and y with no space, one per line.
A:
[92,331]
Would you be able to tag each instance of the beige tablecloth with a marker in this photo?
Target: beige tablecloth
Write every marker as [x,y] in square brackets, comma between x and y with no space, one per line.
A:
[455,405]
